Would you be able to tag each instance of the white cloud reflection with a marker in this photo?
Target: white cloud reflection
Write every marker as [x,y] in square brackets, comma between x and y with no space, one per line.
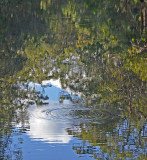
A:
[47,130]
[49,127]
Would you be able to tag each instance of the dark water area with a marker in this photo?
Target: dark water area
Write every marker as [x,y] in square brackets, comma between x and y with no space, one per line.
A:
[73,79]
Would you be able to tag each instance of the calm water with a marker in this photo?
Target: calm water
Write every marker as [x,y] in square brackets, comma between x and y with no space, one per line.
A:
[73,80]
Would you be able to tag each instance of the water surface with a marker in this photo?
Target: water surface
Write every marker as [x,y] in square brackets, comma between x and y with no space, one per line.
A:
[73,79]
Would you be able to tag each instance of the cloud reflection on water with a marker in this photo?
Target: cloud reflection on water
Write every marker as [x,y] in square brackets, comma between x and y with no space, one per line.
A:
[47,130]
[42,126]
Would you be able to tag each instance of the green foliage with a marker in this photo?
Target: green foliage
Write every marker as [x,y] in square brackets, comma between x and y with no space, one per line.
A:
[97,48]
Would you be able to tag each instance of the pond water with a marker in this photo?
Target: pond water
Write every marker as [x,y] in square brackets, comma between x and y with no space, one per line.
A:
[73,80]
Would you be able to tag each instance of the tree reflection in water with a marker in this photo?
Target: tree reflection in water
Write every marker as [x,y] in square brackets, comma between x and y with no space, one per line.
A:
[125,140]
[97,49]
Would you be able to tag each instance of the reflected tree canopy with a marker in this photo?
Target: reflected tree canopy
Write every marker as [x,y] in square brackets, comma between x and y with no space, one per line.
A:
[96,48]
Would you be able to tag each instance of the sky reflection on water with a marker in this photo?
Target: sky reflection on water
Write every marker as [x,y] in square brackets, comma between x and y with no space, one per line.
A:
[42,134]
[45,135]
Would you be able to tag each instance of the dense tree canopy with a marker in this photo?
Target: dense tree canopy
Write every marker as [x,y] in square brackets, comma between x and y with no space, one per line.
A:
[97,48]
